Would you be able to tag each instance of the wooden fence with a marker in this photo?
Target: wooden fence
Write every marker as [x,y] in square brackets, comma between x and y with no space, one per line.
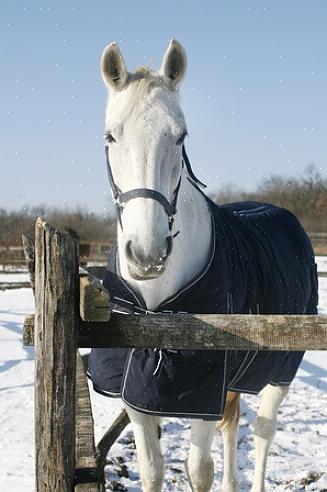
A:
[73,310]
[97,251]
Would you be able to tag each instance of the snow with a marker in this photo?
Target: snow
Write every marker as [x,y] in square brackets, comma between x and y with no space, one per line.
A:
[298,455]
[321,263]
[4,269]
[14,277]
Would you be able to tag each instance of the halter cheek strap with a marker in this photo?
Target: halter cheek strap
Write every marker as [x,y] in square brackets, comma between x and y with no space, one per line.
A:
[121,198]
[191,174]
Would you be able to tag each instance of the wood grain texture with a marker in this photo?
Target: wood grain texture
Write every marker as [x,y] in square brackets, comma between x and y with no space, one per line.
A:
[85,447]
[56,315]
[94,298]
[110,437]
[217,331]
[208,331]
[14,285]
[88,487]
[94,304]
[28,330]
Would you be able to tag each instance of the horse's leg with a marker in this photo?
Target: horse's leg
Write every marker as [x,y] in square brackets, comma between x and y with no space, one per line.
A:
[149,457]
[264,430]
[229,428]
[199,465]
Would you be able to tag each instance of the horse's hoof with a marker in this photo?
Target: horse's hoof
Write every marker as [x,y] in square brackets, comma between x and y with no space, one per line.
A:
[198,484]
[230,487]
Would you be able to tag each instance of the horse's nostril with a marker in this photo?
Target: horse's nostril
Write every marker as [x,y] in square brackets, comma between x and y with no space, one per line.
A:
[156,258]
[130,254]
[135,254]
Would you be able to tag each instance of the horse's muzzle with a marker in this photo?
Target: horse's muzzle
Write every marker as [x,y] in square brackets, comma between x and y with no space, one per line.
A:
[143,266]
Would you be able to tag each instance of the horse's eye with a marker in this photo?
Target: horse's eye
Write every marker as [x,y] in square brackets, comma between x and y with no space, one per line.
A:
[109,138]
[181,138]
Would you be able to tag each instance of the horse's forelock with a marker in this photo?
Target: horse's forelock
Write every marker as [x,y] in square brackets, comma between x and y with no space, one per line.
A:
[145,78]
[138,86]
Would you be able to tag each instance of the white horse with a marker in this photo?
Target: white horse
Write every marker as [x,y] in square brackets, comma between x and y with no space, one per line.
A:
[145,129]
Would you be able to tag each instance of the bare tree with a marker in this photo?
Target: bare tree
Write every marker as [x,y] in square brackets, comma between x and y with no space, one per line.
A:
[305,196]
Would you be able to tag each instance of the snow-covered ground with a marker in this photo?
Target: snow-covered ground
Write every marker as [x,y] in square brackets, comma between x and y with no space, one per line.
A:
[14,277]
[298,456]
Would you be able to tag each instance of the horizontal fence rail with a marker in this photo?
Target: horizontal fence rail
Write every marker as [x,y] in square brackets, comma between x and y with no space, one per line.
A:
[207,331]
[201,331]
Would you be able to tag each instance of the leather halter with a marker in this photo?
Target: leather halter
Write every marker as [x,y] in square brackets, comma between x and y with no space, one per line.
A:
[121,198]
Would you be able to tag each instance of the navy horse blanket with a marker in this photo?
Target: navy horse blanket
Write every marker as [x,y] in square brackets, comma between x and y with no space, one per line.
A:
[261,262]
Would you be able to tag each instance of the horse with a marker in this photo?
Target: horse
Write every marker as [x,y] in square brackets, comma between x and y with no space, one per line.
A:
[177,252]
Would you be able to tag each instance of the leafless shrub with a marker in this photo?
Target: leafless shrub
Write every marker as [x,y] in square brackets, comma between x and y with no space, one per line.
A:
[85,224]
[305,196]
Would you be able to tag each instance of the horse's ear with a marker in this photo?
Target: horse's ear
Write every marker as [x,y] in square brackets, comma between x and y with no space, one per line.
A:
[174,64]
[113,67]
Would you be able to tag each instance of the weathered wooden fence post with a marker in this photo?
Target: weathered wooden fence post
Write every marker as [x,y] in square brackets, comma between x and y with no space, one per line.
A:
[56,321]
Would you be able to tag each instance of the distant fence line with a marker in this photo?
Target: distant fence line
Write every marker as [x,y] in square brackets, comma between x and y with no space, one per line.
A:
[319,242]
[97,251]
[89,251]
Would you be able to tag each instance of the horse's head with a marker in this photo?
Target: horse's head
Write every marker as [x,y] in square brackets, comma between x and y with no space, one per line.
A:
[145,129]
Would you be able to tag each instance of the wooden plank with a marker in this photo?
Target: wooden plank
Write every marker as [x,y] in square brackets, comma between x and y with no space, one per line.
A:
[28,330]
[208,331]
[56,295]
[88,487]
[29,252]
[14,285]
[94,298]
[110,437]
[86,461]
[319,242]
[94,304]
[8,262]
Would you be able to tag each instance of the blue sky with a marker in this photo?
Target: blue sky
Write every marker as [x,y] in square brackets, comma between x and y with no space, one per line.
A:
[254,95]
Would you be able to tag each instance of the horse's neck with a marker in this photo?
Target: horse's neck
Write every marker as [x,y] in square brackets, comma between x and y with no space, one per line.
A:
[191,249]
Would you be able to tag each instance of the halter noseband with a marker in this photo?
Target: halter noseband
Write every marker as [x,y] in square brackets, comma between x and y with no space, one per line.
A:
[121,198]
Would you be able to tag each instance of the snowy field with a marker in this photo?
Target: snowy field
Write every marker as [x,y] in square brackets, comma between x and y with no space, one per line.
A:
[14,277]
[298,456]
